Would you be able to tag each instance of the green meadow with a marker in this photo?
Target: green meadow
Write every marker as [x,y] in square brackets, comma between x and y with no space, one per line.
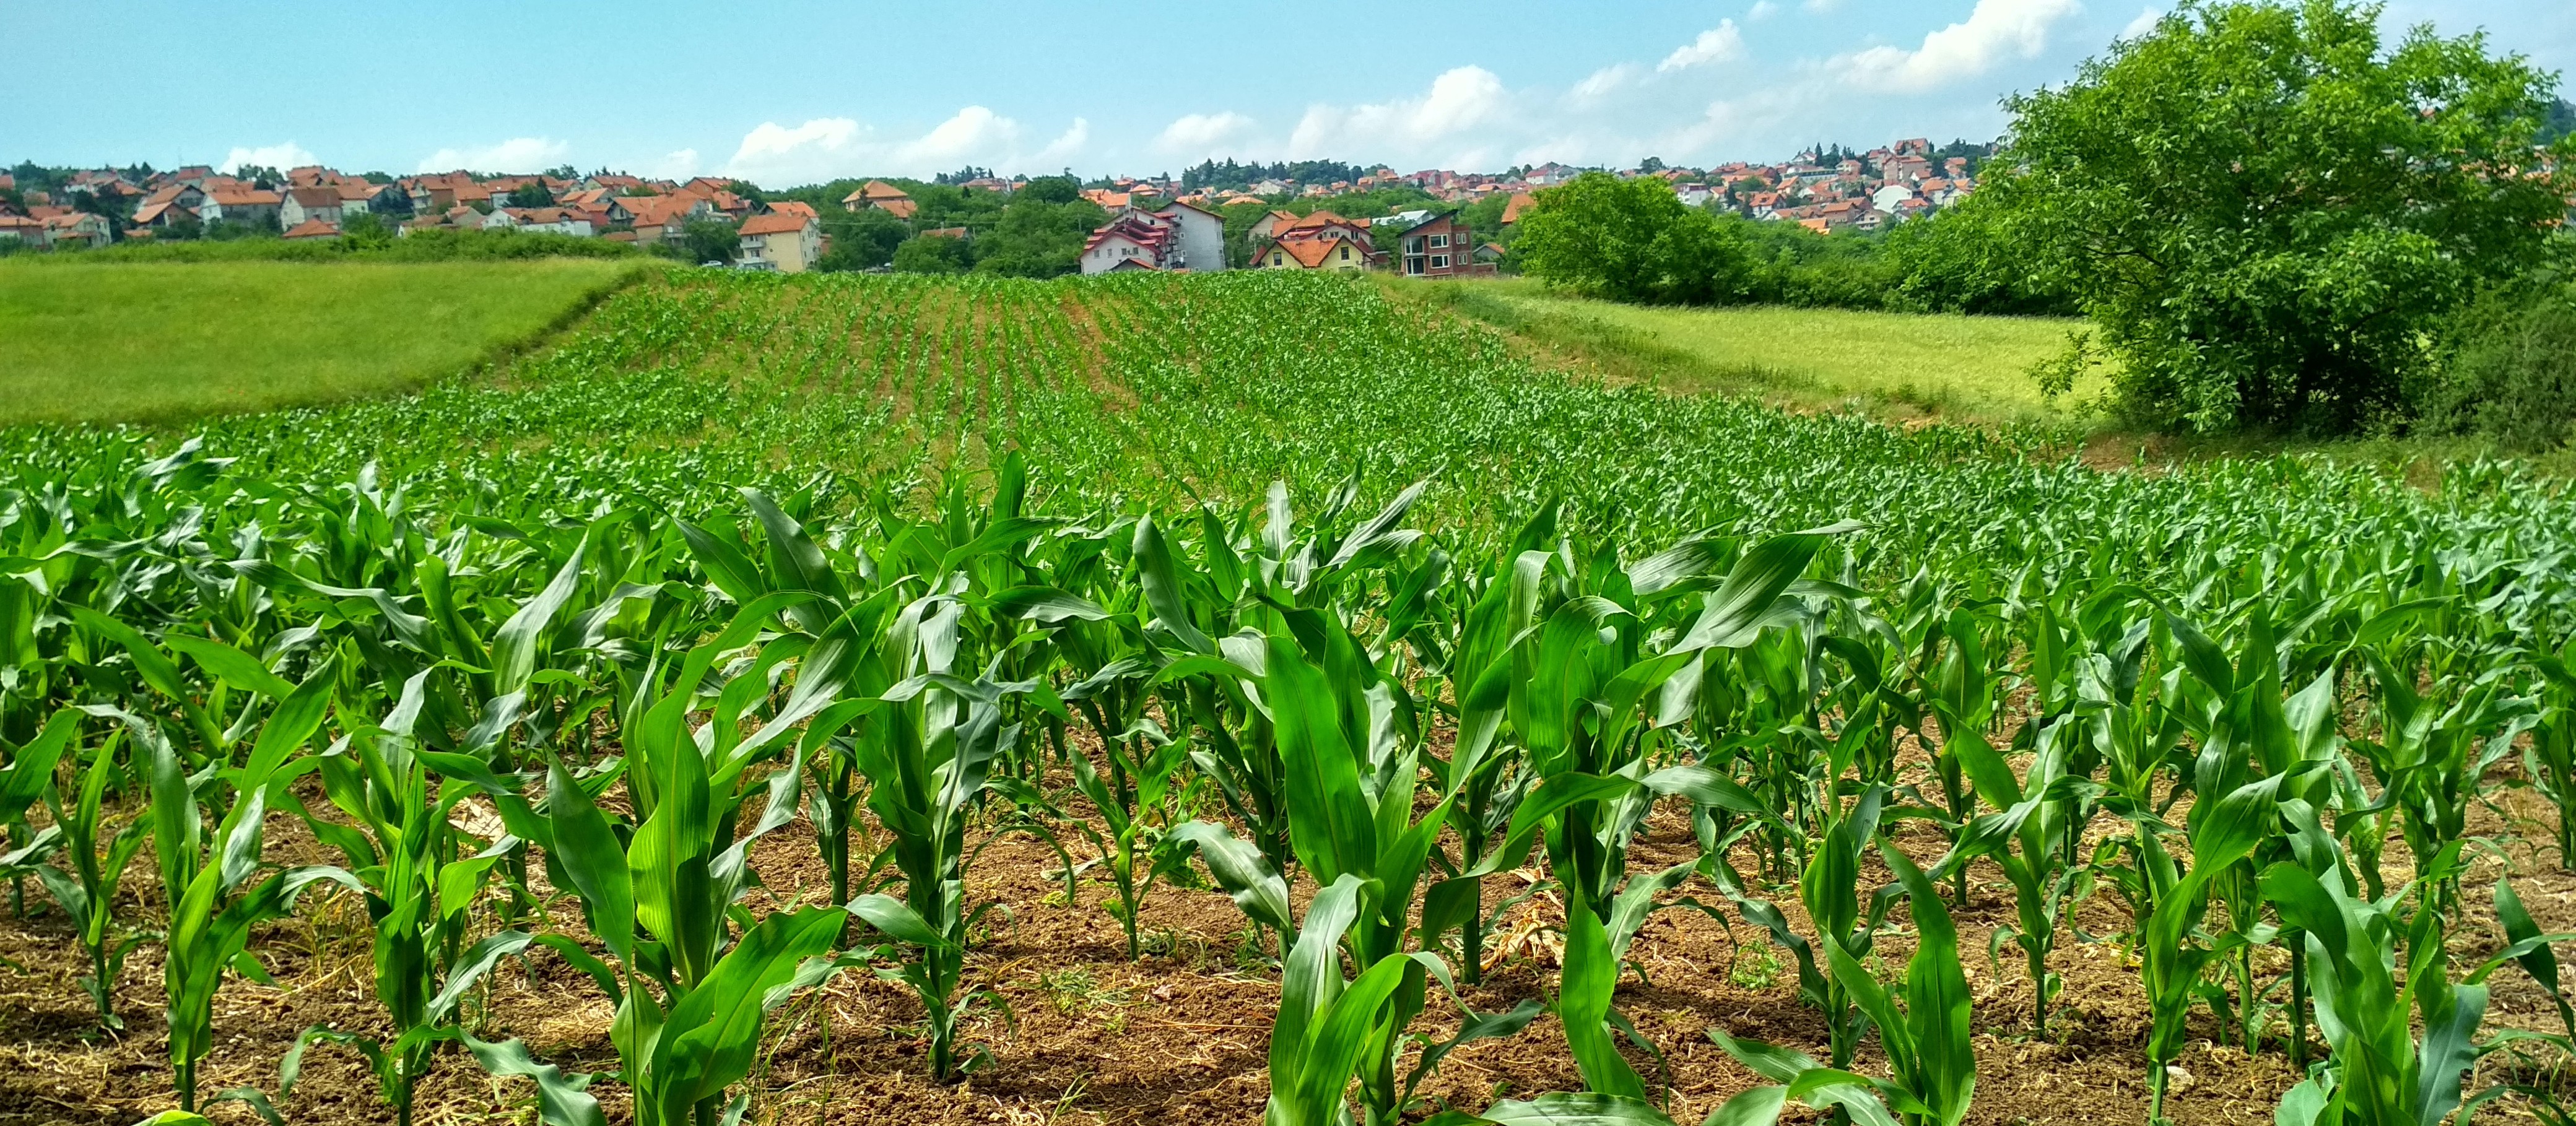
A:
[1968,368]
[136,342]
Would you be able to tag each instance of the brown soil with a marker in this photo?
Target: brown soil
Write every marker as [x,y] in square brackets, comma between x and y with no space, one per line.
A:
[1079,1035]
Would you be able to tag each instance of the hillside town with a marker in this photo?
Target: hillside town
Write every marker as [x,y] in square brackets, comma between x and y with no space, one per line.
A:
[1286,221]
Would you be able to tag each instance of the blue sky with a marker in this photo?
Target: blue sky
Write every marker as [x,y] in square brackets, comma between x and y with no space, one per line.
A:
[791,92]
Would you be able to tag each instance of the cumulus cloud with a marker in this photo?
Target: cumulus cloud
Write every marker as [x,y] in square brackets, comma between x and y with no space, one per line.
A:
[518,154]
[1608,79]
[1762,10]
[1434,126]
[1720,44]
[825,148]
[288,155]
[2145,23]
[680,165]
[1997,30]
[1204,134]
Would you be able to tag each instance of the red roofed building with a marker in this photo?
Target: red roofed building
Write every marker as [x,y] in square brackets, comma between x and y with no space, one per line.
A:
[313,229]
[782,241]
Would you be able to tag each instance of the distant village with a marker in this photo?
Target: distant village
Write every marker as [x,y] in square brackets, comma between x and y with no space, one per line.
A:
[1212,218]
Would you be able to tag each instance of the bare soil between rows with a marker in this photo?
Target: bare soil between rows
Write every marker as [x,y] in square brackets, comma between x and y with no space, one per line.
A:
[1076,1034]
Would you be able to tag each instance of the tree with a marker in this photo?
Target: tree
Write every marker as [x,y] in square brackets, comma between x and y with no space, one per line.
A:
[1052,189]
[1629,240]
[531,194]
[710,240]
[2265,214]
[365,230]
[861,240]
[933,254]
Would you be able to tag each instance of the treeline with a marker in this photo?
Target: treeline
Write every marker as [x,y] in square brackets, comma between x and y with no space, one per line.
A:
[1240,177]
[2342,254]
[1035,232]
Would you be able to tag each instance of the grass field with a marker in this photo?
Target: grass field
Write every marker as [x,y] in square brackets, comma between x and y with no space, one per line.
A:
[146,343]
[1975,368]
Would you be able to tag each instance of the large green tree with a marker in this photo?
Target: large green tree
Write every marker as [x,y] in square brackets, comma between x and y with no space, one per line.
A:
[1630,240]
[2266,212]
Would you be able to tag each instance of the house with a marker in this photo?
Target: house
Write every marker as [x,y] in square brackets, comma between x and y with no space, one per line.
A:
[1202,236]
[1886,198]
[78,227]
[313,229]
[242,204]
[877,195]
[306,205]
[160,215]
[782,241]
[541,220]
[794,207]
[1322,224]
[1133,240]
[1490,252]
[1438,247]
[1520,203]
[1335,252]
[660,217]
[22,230]
[383,199]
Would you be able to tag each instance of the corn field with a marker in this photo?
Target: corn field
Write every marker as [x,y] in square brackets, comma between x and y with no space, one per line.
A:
[712,665]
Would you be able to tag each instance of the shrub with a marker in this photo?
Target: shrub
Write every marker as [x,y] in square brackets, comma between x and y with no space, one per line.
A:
[2511,371]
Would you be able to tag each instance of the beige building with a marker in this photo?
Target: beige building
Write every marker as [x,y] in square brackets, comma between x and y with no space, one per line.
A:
[781,241]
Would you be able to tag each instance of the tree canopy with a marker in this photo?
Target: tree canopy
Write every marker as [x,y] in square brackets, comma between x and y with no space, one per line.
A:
[2266,213]
[1630,240]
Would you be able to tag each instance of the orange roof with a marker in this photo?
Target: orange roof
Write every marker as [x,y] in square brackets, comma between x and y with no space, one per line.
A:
[313,228]
[244,197]
[1521,201]
[781,223]
[1311,253]
[794,207]
[316,196]
[874,190]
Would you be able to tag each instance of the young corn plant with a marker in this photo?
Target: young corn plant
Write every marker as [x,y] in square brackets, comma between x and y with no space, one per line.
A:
[2550,761]
[404,852]
[1931,1055]
[1351,758]
[2222,834]
[2381,1072]
[207,880]
[928,755]
[663,894]
[2030,839]
[82,878]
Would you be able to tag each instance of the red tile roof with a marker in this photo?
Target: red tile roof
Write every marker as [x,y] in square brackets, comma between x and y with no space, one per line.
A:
[313,228]
[784,223]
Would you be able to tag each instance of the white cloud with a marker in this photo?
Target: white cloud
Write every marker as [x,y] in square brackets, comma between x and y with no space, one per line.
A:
[518,154]
[1203,134]
[1065,146]
[288,155]
[1602,82]
[1995,31]
[680,165]
[826,148]
[1762,10]
[1407,129]
[2145,23]
[1720,44]
[1821,5]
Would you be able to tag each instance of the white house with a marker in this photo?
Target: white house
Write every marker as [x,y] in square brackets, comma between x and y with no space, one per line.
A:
[1202,236]
[304,205]
[534,220]
[1886,198]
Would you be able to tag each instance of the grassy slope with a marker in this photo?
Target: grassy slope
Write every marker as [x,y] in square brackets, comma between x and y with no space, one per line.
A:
[154,342]
[1971,367]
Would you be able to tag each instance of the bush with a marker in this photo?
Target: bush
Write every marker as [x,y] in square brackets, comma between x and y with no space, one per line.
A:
[2511,372]
[932,254]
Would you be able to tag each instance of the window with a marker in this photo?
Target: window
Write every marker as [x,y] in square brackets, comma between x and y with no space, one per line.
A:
[1275,259]
[1439,261]
[1439,241]
[1346,254]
